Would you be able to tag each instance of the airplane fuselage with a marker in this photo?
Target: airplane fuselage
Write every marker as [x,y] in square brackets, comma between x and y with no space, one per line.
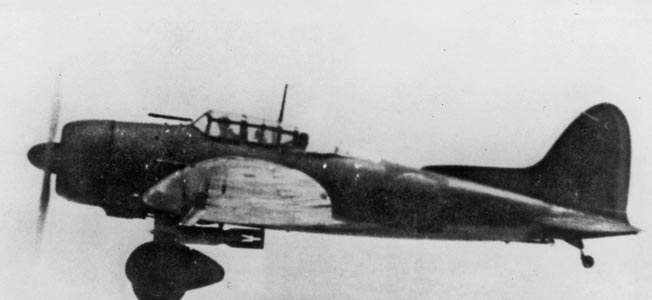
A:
[111,164]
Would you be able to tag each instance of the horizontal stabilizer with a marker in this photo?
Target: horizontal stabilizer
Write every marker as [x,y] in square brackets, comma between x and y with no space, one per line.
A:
[587,225]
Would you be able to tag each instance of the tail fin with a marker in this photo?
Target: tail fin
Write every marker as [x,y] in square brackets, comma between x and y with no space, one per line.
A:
[586,169]
[588,166]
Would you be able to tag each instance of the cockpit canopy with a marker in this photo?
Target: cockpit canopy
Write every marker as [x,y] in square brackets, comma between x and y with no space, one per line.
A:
[241,129]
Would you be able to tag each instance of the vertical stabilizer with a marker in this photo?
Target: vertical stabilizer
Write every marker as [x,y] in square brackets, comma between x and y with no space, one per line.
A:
[587,168]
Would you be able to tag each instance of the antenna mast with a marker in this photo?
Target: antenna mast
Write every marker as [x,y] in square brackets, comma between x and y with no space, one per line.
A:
[280,116]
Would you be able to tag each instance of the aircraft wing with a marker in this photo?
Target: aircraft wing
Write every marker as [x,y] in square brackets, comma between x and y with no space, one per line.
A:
[245,191]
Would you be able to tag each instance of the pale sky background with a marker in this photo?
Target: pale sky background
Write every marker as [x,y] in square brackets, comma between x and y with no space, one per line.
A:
[414,82]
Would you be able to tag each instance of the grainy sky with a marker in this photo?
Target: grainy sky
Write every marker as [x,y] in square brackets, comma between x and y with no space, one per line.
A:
[414,82]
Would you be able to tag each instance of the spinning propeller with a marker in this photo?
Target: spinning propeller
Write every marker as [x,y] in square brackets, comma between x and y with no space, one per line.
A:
[43,155]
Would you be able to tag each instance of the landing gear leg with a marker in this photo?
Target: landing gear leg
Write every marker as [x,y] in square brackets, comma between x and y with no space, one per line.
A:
[587,260]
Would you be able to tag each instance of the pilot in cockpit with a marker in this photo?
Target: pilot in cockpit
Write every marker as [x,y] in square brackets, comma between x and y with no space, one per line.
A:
[260,135]
[226,132]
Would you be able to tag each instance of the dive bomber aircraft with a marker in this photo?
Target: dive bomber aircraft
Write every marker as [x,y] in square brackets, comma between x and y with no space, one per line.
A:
[223,179]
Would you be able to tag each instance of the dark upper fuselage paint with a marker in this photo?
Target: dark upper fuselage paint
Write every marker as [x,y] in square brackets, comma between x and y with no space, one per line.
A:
[111,164]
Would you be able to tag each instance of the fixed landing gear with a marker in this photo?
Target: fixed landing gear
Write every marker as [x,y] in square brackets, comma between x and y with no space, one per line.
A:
[166,270]
[587,260]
